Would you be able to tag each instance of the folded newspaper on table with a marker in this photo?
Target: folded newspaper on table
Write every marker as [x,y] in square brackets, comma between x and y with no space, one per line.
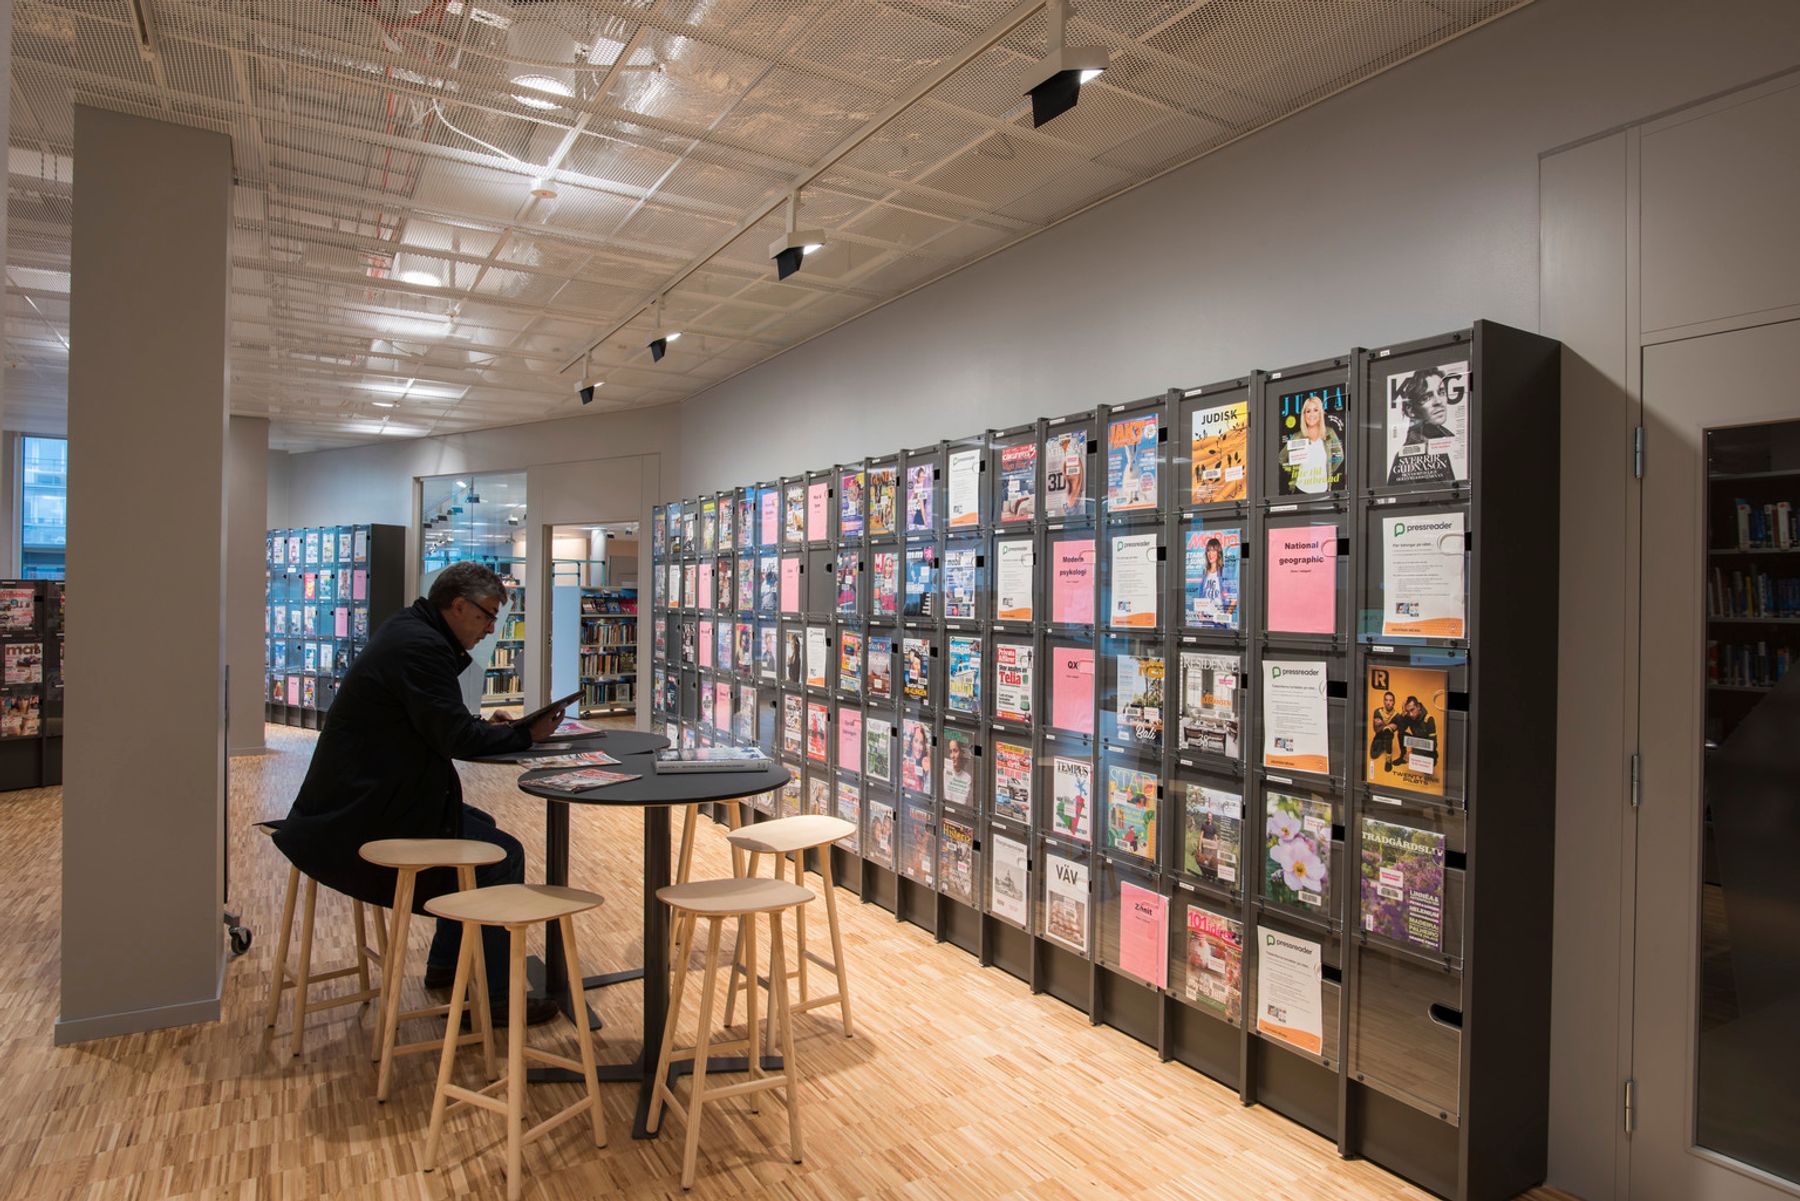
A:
[580,759]
[712,758]
[583,780]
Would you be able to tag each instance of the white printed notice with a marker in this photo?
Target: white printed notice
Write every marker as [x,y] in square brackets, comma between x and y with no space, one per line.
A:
[817,656]
[1008,880]
[1012,579]
[965,489]
[1133,582]
[1294,715]
[1289,988]
[1422,575]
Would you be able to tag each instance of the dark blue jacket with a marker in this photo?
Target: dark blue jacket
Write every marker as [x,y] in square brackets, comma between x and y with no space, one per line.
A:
[382,767]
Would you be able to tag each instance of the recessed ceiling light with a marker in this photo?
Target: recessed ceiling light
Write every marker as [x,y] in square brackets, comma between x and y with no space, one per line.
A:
[541,92]
[423,279]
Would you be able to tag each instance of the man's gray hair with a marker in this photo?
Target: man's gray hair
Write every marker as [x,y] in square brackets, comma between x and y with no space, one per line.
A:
[468,579]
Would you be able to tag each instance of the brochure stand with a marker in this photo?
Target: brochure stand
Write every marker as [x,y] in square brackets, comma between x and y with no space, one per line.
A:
[1172,709]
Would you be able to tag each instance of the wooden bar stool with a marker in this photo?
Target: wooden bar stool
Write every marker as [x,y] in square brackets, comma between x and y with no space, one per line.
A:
[517,907]
[684,859]
[303,979]
[408,857]
[795,836]
[716,900]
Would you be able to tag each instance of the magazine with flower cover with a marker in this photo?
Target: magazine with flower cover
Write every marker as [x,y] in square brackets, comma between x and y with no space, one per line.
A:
[1297,851]
[1403,883]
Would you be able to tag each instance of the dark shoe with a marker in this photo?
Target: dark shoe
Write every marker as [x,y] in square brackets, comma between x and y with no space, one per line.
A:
[538,1010]
[438,979]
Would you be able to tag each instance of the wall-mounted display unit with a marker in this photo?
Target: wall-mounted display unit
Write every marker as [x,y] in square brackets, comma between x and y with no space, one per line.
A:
[31,683]
[329,588]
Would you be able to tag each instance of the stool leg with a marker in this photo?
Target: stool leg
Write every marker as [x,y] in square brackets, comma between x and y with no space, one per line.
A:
[303,979]
[684,861]
[747,935]
[515,1055]
[731,991]
[702,1048]
[837,941]
[393,969]
[734,819]
[800,925]
[278,974]
[448,1057]
[684,936]
[790,1068]
[584,1038]
[362,946]
[482,1007]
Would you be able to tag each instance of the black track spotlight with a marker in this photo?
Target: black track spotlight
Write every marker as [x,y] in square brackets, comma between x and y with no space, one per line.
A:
[1056,84]
[795,244]
[661,336]
[588,382]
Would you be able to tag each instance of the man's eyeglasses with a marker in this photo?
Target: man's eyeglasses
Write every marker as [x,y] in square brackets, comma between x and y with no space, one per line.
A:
[493,615]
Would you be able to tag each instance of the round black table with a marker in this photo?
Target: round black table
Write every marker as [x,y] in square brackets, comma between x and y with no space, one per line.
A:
[654,794]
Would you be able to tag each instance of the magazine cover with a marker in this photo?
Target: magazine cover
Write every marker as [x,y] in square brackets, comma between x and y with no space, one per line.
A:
[1297,851]
[1066,902]
[793,656]
[962,494]
[743,720]
[886,584]
[1405,706]
[1210,579]
[24,663]
[960,583]
[582,779]
[883,504]
[1009,878]
[768,584]
[1138,700]
[1018,482]
[1209,713]
[880,668]
[709,523]
[881,832]
[1072,798]
[765,652]
[746,583]
[689,641]
[706,705]
[1212,833]
[1014,559]
[793,711]
[1215,963]
[818,730]
[1428,425]
[690,585]
[1403,883]
[818,796]
[878,750]
[957,871]
[722,633]
[1312,431]
[849,808]
[1012,682]
[21,715]
[727,526]
[915,669]
[1012,782]
[915,755]
[1219,454]
[1131,805]
[850,660]
[850,504]
[959,766]
[677,543]
[746,517]
[1131,460]
[919,488]
[789,803]
[962,678]
[846,582]
[793,510]
[918,842]
[1065,474]
[921,582]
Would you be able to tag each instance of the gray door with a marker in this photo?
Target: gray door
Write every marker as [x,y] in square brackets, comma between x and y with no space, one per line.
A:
[1716,1009]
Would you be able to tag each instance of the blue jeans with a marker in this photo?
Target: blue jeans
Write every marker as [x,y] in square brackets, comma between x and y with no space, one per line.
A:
[445,944]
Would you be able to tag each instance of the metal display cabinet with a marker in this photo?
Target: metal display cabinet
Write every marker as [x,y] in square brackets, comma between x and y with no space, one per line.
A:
[322,609]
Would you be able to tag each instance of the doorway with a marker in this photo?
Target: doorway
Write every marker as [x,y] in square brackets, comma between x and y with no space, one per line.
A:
[591,640]
[1715,1098]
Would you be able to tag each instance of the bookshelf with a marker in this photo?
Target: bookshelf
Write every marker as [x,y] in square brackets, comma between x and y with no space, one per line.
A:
[329,589]
[31,683]
[608,650]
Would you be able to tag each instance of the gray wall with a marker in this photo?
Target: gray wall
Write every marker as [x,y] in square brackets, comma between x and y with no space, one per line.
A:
[246,576]
[143,797]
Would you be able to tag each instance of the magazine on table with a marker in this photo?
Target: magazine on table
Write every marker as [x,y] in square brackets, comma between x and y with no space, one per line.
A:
[712,759]
[583,779]
[583,759]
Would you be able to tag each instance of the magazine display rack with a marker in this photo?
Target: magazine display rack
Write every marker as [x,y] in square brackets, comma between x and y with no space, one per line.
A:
[31,683]
[329,588]
[1174,710]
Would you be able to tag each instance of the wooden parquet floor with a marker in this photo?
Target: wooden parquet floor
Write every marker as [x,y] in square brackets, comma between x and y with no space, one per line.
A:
[959,1084]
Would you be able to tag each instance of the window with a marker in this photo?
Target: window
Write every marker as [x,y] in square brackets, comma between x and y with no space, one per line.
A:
[43,507]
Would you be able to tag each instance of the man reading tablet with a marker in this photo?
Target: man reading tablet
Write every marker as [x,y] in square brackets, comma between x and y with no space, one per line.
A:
[382,767]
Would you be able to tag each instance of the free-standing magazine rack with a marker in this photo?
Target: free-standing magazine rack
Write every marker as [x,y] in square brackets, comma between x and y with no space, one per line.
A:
[1175,709]
[329,588]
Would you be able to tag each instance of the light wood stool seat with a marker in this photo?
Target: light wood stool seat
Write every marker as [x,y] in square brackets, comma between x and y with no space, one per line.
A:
[408,857]
[790,838]
[743,899]
[304,978]
[517,907]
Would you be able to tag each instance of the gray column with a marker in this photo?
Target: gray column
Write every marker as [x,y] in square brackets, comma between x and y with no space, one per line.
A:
[9,520]
[144,783]
[246,546]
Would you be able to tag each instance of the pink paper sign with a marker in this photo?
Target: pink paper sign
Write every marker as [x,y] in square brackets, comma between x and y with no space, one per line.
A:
[359,585]
[1144,934]
[340,623]
[706,644]
[1303,579]
[1072,582]
[818,499]
[1072,689]
[850,726]
[771,517]
[706,586]
[790,585]
[293,690]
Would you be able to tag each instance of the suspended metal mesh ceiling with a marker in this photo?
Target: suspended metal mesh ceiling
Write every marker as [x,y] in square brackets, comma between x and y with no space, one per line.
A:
[393,273]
